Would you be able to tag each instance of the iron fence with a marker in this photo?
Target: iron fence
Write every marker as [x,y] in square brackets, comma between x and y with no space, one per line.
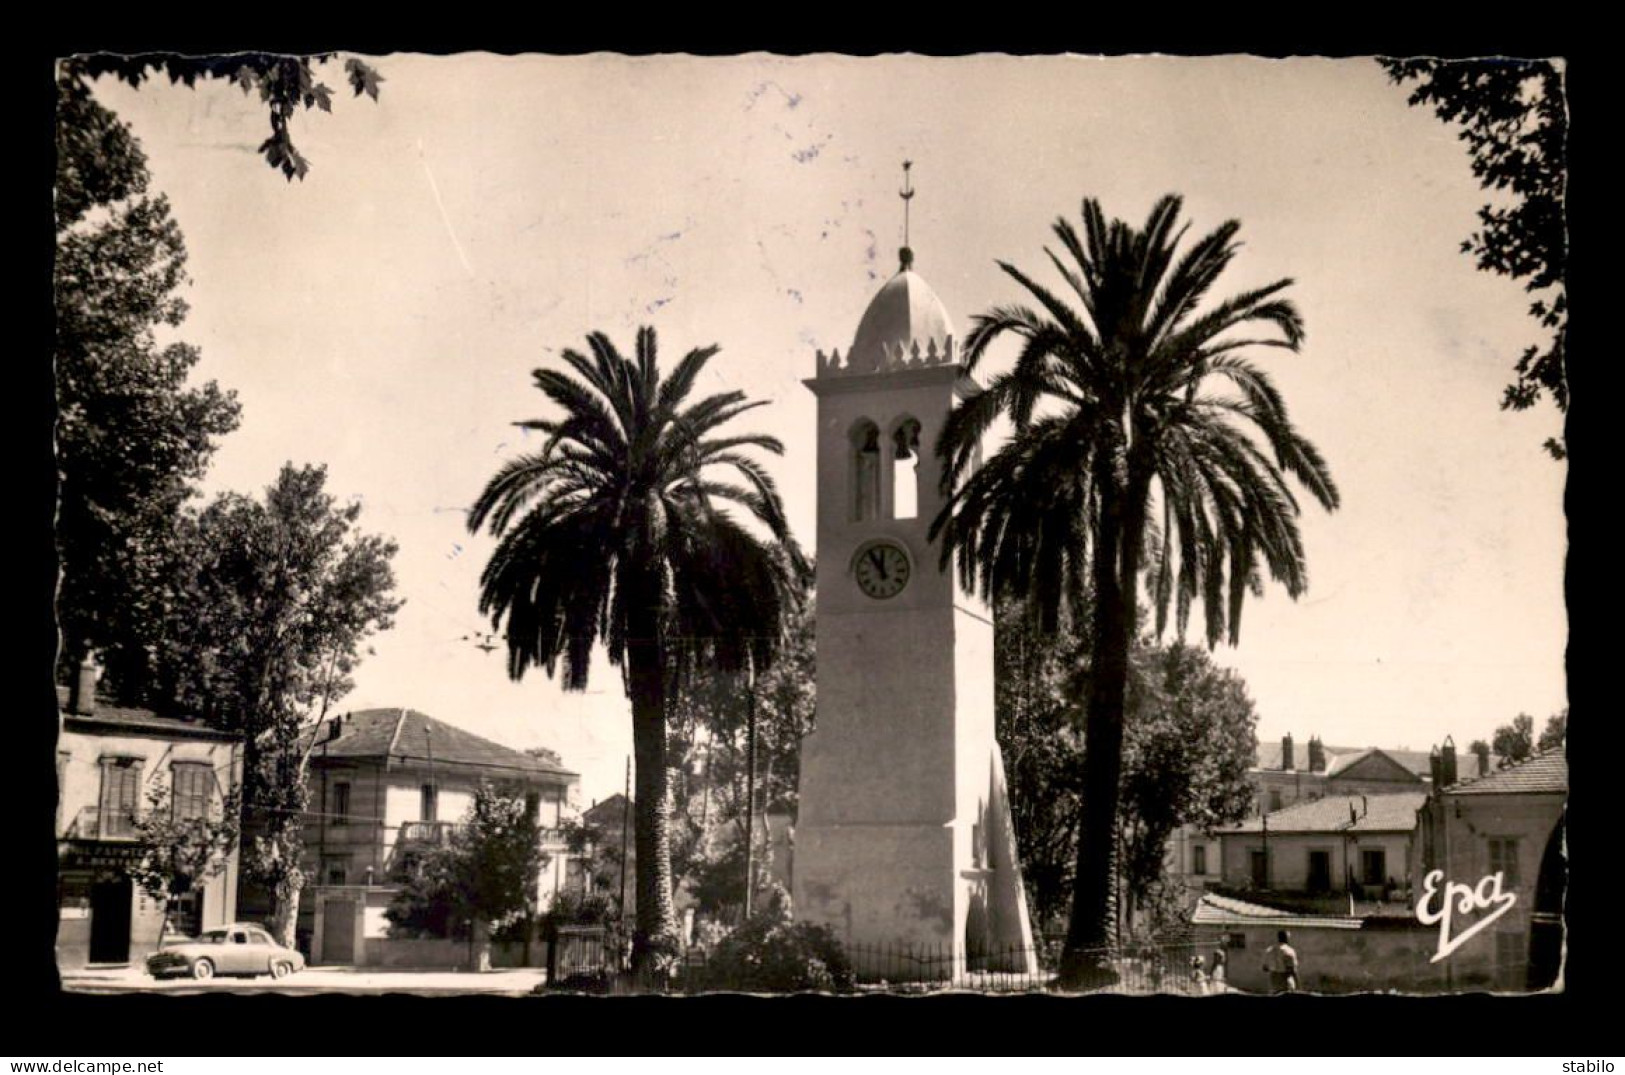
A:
[909,968]
[1135,969]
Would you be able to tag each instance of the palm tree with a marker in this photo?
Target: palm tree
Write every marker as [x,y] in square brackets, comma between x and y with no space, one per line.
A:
[617,532]
[1143,439]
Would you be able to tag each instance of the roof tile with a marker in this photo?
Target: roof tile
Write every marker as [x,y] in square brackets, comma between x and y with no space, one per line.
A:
[407,733]
[1372,813]
[1544,773]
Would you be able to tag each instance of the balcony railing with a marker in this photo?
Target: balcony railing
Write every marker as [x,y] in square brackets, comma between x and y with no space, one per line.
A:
[93,823]
[427,832]
[439,833]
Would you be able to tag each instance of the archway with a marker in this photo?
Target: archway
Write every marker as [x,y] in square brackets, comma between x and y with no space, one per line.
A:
[1546,917]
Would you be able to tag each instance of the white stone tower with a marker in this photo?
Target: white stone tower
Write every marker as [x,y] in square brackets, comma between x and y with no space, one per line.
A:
[903,838]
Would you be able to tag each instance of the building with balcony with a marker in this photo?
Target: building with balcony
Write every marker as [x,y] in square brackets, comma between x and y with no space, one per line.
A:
[109,759]
[383,782]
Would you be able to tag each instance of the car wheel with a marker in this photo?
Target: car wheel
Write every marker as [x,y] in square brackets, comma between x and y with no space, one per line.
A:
[281,969]
[203,970]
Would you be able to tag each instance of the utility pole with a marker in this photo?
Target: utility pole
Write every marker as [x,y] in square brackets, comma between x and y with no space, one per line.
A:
[1264,816]
[750,788]
[626,828]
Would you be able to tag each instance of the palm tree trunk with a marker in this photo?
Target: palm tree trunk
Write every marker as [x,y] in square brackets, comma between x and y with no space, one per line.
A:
[1115,569]
[656,918]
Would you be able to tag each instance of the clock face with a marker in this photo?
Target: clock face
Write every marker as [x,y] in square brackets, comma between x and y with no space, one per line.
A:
[882,570]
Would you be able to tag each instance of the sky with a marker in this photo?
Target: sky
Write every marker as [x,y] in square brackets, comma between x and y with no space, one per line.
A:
[383,317]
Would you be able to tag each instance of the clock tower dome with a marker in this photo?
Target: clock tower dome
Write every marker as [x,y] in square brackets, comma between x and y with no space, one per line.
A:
[903,835]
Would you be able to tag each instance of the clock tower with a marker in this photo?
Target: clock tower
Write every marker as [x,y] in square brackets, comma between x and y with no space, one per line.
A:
[903,838]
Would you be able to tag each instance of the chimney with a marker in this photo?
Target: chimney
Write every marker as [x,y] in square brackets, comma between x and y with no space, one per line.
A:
[1436,767]
[82,693]
[1286,752]
[1317,755]
[1482,750]
[1447,761]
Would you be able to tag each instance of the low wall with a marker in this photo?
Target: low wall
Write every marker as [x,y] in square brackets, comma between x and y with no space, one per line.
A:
[403,953]
[1376,959]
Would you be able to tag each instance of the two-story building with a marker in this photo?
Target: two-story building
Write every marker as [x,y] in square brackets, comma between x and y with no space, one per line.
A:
[109,758]
[382,781]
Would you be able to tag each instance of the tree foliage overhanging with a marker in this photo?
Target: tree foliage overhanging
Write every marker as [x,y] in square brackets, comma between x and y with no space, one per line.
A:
[1513,116]
[285,84]
[134,433]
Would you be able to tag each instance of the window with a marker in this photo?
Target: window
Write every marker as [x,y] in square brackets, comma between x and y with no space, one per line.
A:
[121,788]
[1198,859]
[341,804]
[1235,940]
[906,470]
[191,784]
[1504,859]
[429,804]
[335,871]
[1275,799]
[1373,866]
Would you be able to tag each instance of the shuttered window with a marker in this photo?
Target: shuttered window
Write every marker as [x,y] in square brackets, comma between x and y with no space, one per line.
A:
[193,785]
[121,793]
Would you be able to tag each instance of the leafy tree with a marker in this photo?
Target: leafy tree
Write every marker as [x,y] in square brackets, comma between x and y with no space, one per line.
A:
[1515,742]
[1555,732]
[598,849]
[619,531]
[182,852]
[708,744]
[1143,440]
[276,599]
[133,433]
[1188,742]
[1513,116]
[285,85]
[484,877]
[1042,748]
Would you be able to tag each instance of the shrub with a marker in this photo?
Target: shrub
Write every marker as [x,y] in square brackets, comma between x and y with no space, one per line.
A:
[772,954]
[582,909]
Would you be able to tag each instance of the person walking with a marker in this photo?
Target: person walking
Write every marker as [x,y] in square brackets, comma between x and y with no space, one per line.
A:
[1215,974]
[1281,964]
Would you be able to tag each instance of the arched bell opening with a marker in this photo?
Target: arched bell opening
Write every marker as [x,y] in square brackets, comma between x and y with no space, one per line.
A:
[905,472]
[863,480]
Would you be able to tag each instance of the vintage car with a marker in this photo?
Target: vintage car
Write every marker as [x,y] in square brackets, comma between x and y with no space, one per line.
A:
[240,948]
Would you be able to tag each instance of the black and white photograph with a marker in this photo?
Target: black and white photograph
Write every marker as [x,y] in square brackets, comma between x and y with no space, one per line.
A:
[535,525]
